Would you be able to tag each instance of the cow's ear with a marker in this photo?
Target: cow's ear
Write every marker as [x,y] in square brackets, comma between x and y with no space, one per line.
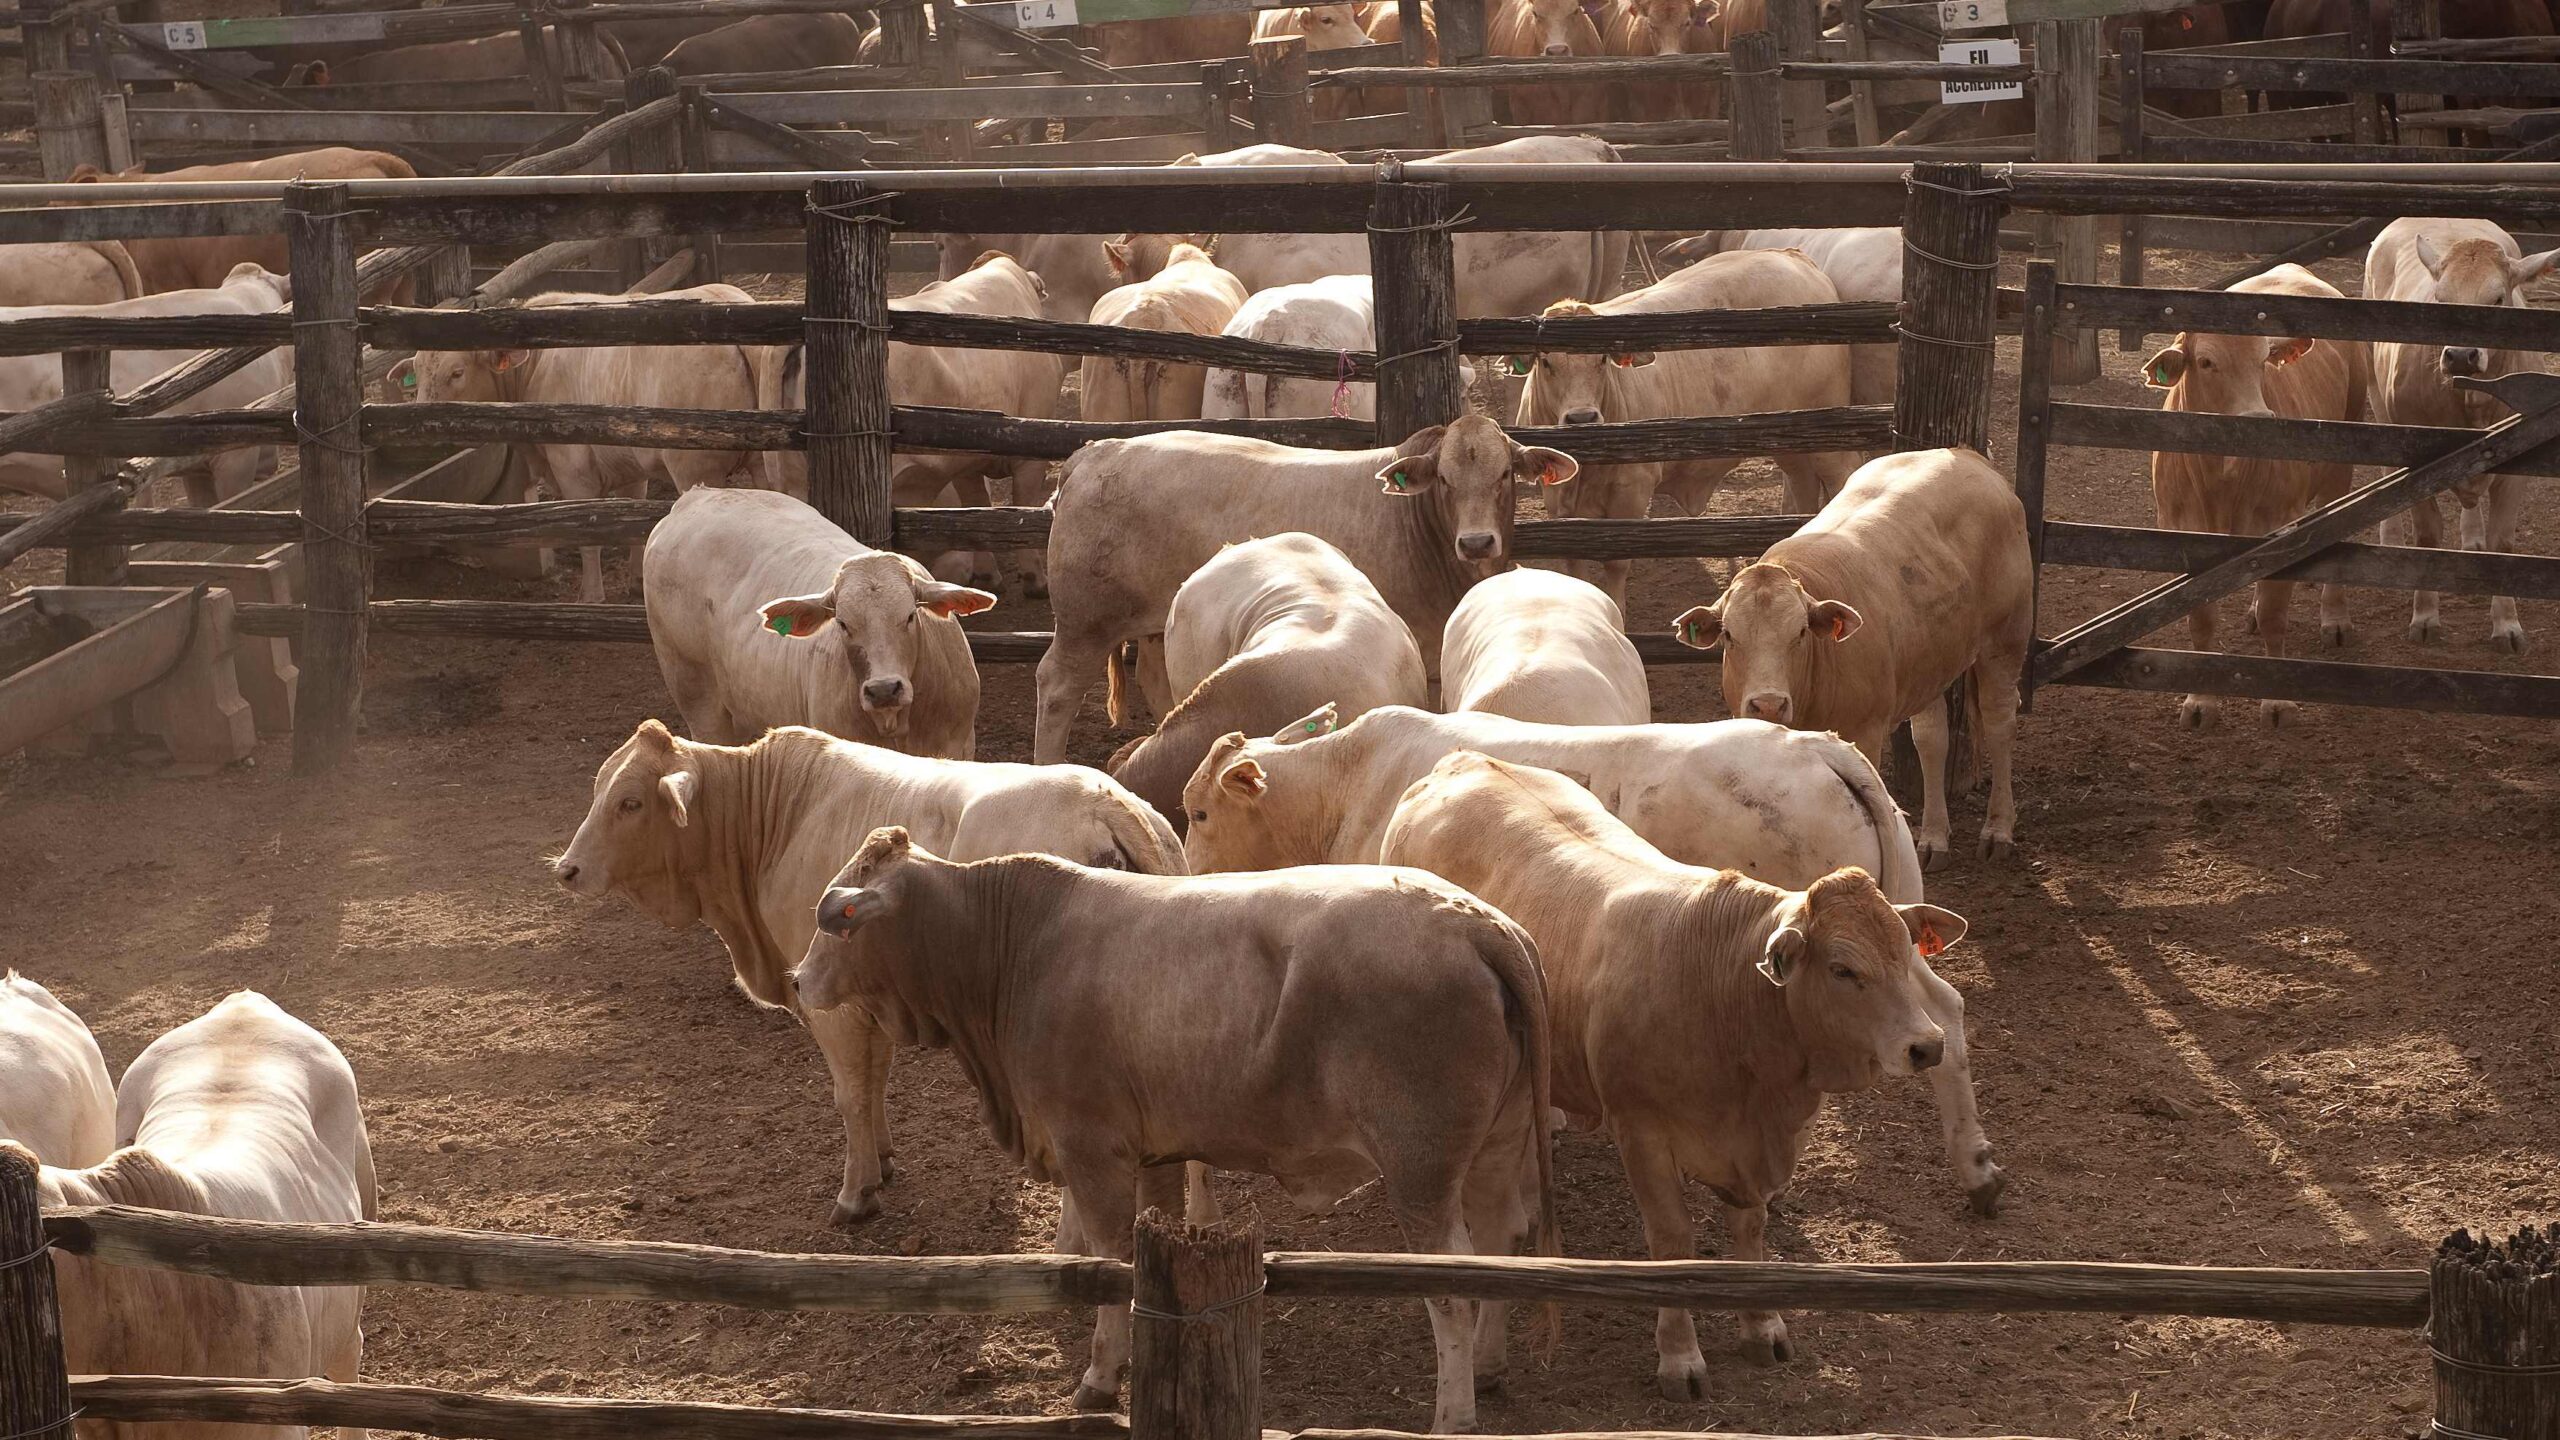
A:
[679,788]
[1321,721]
[2162,370]
[2430,256]
[1244,779]
[1699,627]
[1833,619]
[1547,467]
[503,361]
[847,908]
[1119,256]
[1932,929]
[403,379]
[1631,359]
[2534,267]
[1786,947]
[937,598]
[2285,352]
[1519,364]
[84,173]
[798,616]
[1410,474]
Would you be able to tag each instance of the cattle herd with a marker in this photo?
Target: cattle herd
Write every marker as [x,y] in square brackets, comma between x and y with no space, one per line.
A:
[1307,927]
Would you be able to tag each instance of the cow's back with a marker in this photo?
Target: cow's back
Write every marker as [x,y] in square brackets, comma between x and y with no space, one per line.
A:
[55,1097]
[1744,380]
[1537,646]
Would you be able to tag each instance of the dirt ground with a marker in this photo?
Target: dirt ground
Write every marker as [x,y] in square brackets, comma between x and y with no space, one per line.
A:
[2244,997]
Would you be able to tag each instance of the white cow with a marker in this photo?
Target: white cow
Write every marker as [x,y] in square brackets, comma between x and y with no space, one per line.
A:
[1543,647]
[1336,312]
[1862,263]
[1072,268]
[55,1097]
[2452,262]
[248,1114]
[68,272]
[1190,295]
[27,381]
[763,612]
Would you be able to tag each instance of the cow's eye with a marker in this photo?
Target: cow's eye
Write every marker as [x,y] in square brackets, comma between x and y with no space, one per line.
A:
[911,616]
[630,803]
[1845,974]
[1199,817]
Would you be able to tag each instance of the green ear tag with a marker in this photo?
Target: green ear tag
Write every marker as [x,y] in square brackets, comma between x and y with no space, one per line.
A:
[780,625]
[1315,727]
[1689,632]
[1396,478]
[1518,365]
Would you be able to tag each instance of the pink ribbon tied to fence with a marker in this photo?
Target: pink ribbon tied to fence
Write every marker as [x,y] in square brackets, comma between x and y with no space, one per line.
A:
[1341,383]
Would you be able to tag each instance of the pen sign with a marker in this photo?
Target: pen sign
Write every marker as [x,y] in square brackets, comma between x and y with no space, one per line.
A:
[1979,52]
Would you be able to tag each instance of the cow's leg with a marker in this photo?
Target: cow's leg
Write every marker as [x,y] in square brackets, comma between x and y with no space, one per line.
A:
[1030,567]
[1764,1335]
[985,572]
[1995,696]
[2425,524]
[2336,626]
[343,1367]
[1426,1196]
[1812,479]
[1199,1202]
[1154,681]
[857,1070]
[1929,741]
[1498,1224]
[1653,1173]
[1074,658]
[1104,1197]
[2498,532]
[1951,1084]
[2196,711]
[2275,616]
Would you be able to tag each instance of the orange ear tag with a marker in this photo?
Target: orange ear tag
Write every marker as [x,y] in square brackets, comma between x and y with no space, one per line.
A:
[1839,628]
[1929,943]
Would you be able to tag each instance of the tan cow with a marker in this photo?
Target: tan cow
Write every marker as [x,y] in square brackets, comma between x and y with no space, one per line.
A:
[1321,1026]
[490,57]
[743,839]
[2240,495]
[2452,262]
[68,272]
[804,42]
[55,1097]
[1862,263]
[245,1113]
[1568,389]
[1071,270]
[764,613]
[1665,27]
[1542,647]
[1189,296]
[1545,29]
[1423,521]
[689,377]
[1783,806]
[199,262]
[1700,1015]
[1264,633]
[1011,382]
[1217,35]
[1924,555]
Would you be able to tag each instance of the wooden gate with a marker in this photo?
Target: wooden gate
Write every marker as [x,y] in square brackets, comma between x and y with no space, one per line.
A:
[2101,651]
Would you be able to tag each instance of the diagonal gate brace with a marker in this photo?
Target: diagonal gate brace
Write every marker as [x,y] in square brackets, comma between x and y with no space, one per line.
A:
[2534,397]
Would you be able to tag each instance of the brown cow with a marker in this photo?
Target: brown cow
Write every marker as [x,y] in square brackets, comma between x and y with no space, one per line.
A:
[1221,35]
[766,42]
[491,57]
[1665,27]
[1337,1023]
[202,262]
[1700,1015]
[1550,29]
[2240,495]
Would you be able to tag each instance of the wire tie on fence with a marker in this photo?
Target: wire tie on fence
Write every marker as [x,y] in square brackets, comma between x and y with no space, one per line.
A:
[1144,1312]
[1464,216]
[2438,1427]
[2008,182]
[348,320]
[1435,346]
[845,212]
[46,1429]
[846,434]
[1974,265]
[1907,333]
[29,1258]
[2492,1367]
[880,326]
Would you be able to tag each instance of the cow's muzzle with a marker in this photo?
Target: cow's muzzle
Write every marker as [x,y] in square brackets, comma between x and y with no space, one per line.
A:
[886,693]
[1777,709]
[1479,545]
[1559,49]
[1925,1054]
[2466,360]
[1583,415]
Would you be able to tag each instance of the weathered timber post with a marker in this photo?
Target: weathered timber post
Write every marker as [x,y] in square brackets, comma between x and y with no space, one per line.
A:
[902,35]
[1464,109]
[328,378]
[2066,85]
[582,52]
[1950,282]
[1195,1331]
[35,1390]
[48,42]
[1798,27]
[2035,394]
[537,58]
[2419,20]
[2366,120]
[84,371]
[1422,124]
[2494,1328]
[847,354]
[1862,93]
[1283,112]
[70,125]
[1217,107]
[1759,125]
[2131,138]
[694,130]
[654,151]
[1415,264]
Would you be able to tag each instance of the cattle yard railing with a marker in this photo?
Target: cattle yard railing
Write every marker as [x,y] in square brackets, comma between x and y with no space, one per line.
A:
[1199,1293]
[2101,651]
[1945,332]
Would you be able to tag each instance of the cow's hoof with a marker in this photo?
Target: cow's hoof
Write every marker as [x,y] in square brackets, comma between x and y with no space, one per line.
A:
[1994,847]
[1763,1350]
[1682,1380]
[2279,714]
[1933,855]
[2426,631]
[1090,1397]
[888,1167]
[2337,632]
[1985,1197]
[2195,714]
[2252,621]
[1490,1382]
[2508,639]
[856,1214]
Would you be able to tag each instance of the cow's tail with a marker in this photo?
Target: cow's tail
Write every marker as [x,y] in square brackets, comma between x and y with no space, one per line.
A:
[1515,962]
[1145,842]
[1898,860]
[1115,684]
[121,259]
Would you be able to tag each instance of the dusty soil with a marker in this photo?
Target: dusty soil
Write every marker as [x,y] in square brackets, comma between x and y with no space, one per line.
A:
[2243,997]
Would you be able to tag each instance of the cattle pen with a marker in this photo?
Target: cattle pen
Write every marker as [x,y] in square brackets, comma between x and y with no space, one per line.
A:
[1197,1295]
[1944,327]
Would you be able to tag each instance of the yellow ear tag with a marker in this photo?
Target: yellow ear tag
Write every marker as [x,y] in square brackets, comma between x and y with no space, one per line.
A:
[1929,943]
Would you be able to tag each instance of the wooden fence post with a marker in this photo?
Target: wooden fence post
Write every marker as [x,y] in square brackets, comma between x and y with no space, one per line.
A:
[1283,111]
[1862,93]
[1217,107]
[2419,20]
[48,42]
[70,126]
[2066,100]
[1950,283]
[1415,265]
[694,131]
[1463,108]
[2494,1329]
[847,356]
[654,151]
[1759,127]
[328,377]
[35,1389]
[1798,27]
[902,35]
[537,59]
[2035,427]
[2367,123]
[1195,1331]
[1422,123]
[84,371]
[2132,144]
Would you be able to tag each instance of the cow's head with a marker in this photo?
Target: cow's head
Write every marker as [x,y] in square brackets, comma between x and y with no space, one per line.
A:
[873,617]
[466,374]
[1234,821]
[2221,374]
[2478,272]
[1328,27]
[1842,953]
[1134,257]
[1675,27]
[1002,262]
[1771,630]
[1561,27]
[846,963]
[1574,389]
[646,795]
[272,288]
[1465,470]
